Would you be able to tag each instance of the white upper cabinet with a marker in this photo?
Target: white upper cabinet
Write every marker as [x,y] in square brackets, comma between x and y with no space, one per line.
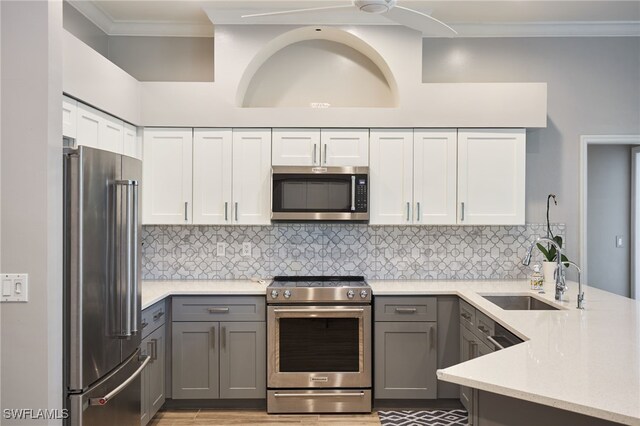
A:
[111,134]
[344,147]
[491,176]
[391,176]
[88,131]
[212,159]
[167,176]
[251,176]
[435,159]
[296,147]
[69,117]
[132,145]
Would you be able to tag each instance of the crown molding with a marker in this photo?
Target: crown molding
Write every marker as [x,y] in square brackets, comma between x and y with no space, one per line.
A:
[549,29]
[486,29]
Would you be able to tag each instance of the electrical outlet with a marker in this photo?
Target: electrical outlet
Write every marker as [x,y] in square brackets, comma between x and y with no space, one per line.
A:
[246,249]
[220,249]
[619,241]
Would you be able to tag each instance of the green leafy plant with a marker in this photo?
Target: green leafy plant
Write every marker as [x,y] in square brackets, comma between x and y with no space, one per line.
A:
[549,252]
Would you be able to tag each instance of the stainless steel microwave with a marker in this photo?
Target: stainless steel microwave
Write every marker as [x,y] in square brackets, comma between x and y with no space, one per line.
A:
[313,193]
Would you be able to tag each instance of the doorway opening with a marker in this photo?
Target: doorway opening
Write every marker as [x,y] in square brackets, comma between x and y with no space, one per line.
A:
[610,213]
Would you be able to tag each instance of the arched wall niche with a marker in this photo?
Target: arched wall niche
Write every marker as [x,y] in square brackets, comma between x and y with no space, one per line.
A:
[334,67]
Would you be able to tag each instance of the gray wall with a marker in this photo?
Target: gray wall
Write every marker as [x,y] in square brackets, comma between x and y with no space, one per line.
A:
[31,203]
[77,24]
[609,214]
[146,58]
[593,88]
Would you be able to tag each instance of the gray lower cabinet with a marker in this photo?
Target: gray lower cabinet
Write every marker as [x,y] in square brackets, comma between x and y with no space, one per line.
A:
[219,360]
[405,360]
[243,360]
[468,347]
[195,360]
[154,341]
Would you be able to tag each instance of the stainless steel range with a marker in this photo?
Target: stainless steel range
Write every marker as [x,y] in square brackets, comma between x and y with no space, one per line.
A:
[319,345]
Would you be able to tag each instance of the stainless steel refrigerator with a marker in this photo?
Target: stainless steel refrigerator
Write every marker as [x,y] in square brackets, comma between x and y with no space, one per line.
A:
[102,293]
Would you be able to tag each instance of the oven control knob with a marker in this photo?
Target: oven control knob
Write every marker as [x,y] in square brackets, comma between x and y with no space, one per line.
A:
[287,294]
[274,294]
[350,294]
[363,294]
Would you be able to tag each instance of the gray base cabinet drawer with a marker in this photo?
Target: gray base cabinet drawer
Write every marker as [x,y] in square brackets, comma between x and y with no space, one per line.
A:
[485,326]
[406,308]
[405,360]
[153,317]
[216,308]
[467,315]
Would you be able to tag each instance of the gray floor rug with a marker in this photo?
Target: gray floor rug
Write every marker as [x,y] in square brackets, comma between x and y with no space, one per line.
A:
[424,418]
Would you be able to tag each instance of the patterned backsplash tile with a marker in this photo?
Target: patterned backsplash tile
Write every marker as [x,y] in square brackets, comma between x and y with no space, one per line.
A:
[377,252]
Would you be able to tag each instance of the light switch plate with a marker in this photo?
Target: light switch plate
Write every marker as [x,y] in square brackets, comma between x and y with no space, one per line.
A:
[15,288]
[619,241]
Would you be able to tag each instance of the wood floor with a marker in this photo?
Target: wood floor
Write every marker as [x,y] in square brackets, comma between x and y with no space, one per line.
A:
[253,417]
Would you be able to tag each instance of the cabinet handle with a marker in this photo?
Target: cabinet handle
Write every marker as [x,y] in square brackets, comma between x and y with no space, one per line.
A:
[484,329]
[158,315]
[144,324]
[472,345]
[213,337]
[226,216]
[154,349]
[408,207]
[325,153]
[236,211]
[418,211]
[218,310]
[431,333]
[186,204]
[406,310]
[315,152]
[223,335]
[462,214]
[465,316]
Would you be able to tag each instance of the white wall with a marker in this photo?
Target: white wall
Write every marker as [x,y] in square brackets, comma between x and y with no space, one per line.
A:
[593,88]
[609,215]
[31,203]
[78,25]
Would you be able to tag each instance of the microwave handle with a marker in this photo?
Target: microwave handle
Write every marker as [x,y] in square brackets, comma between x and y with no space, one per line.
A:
[353,193]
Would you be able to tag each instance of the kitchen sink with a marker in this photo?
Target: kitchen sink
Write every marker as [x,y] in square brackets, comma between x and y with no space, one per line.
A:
[520,303]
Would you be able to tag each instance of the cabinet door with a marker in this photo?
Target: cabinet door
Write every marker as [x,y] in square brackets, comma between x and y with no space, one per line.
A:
[296,147]
[251,176]
[111,135]
[345,147]
[69,117]
[212,157]
[88,132]
[391,176]
[491,176]
[166,183]
[243,362]
[132,145]
[406,360]
[435,176]
[468,350]
[145,349]
[194,360]
[156,380]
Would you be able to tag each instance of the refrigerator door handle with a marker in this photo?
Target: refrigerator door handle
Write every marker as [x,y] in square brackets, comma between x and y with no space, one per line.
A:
[103,400]
[126,257]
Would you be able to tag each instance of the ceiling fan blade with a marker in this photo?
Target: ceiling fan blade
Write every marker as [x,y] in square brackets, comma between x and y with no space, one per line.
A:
[427,24]
[287,12]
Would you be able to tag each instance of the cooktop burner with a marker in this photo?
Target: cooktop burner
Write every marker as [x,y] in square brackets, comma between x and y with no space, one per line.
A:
[290,289]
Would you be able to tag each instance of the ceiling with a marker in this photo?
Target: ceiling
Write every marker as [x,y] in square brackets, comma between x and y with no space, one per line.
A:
[469,17]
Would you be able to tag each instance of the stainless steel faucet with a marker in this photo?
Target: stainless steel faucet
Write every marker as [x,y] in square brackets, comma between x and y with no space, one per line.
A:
[580,292]
[561,287]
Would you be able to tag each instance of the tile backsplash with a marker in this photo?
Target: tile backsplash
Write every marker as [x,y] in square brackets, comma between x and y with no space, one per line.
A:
[377,252]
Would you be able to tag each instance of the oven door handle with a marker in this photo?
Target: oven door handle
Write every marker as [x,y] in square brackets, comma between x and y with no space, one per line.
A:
[314,395]
[318,311]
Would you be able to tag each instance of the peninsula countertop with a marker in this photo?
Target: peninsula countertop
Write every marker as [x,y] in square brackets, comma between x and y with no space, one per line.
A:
[584,361]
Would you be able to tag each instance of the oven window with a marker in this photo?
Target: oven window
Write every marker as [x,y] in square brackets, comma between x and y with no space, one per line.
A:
[319,345]
[303,194]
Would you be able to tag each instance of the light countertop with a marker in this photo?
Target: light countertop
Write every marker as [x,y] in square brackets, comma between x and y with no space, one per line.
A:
[583,361]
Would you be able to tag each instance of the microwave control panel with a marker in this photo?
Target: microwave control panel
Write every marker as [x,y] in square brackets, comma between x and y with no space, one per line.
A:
[362,195]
